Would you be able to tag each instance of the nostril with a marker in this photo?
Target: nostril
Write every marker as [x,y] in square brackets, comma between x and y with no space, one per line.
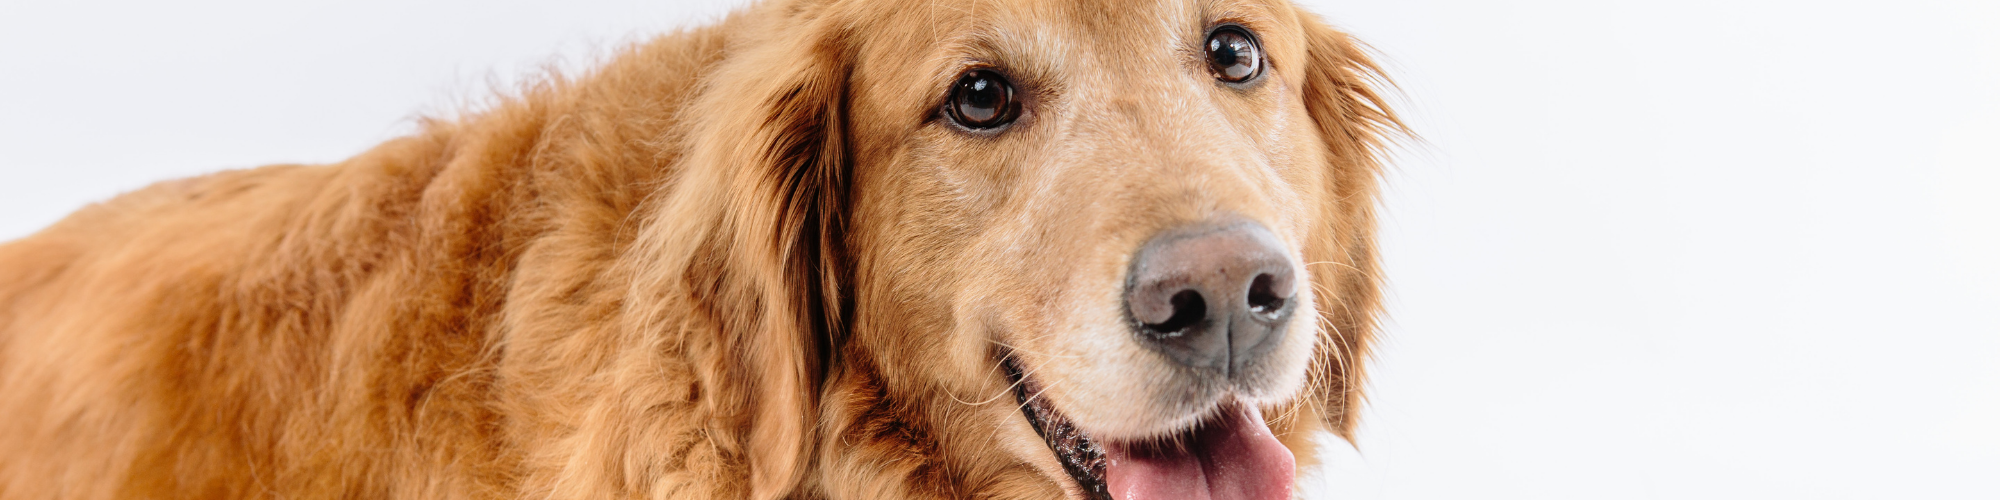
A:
[1264,297]
[1189,309]
[1212,296]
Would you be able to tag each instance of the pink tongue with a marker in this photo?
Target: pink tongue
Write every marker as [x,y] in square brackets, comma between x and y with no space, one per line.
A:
[1234,457]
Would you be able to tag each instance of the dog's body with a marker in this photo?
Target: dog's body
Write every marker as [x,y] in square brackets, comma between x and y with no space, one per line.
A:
[738,261]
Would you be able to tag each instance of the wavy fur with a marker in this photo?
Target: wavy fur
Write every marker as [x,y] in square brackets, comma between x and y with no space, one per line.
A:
[656,280]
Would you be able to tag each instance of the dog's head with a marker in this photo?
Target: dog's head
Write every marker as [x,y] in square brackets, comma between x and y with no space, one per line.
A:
[1126,245]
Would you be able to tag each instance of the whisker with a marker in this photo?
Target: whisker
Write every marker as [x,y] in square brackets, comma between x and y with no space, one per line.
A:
[1350,267]
[1329,262]
[1339,344]
[1333,299]
[1010,387]
[1037,353]
[1046,386]
[996,397]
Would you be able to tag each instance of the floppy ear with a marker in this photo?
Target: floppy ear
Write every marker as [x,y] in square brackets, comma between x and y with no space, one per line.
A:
[752,233]
[1355,123]
[787,222]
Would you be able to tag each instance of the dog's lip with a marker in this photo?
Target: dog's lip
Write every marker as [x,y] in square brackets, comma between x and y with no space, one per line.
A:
[1079,455]
[1228,454]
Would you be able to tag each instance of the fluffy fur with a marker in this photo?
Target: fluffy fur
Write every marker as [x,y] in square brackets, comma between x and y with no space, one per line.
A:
[745,260]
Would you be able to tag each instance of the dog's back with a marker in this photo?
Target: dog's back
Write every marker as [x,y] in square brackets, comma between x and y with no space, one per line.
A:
[176,341]
[321,331]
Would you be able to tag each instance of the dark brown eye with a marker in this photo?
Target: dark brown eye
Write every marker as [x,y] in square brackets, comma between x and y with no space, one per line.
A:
[982,99]
[1234,55]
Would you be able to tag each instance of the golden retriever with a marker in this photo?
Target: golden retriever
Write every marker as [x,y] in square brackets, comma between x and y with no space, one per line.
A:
[830,249]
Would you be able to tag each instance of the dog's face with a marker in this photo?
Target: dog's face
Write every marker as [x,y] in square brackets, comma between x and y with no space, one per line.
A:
[1127,244]
[1112,213]
[1104,127]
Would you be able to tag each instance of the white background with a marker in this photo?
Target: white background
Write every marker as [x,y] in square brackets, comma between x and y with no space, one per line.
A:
[1690,249]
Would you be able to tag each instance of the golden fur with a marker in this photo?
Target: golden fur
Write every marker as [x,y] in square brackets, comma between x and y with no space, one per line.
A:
[737,261]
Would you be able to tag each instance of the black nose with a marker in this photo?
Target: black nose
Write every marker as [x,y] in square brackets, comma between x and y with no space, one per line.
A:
[1211,295]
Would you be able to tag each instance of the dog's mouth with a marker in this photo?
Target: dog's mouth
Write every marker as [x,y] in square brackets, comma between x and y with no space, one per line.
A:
[1231,455]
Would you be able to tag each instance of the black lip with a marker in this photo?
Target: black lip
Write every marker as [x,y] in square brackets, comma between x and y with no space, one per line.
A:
[1079,455]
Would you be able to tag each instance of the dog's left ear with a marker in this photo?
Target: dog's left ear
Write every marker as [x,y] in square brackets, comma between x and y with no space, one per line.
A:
[789,224]
[1341,94]
[764,189]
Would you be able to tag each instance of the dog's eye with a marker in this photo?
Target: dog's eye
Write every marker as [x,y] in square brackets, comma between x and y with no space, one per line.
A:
[1234,55]
[982,99]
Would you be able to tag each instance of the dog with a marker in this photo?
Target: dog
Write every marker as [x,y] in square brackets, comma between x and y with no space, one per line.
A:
[836,249]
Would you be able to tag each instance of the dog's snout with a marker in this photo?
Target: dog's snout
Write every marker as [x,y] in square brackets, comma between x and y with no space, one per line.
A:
[1212,296]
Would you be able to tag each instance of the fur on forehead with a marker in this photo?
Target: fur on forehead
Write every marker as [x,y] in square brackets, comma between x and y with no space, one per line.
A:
[919,47]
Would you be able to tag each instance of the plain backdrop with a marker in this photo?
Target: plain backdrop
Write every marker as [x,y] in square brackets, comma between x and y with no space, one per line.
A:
[1686,249]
